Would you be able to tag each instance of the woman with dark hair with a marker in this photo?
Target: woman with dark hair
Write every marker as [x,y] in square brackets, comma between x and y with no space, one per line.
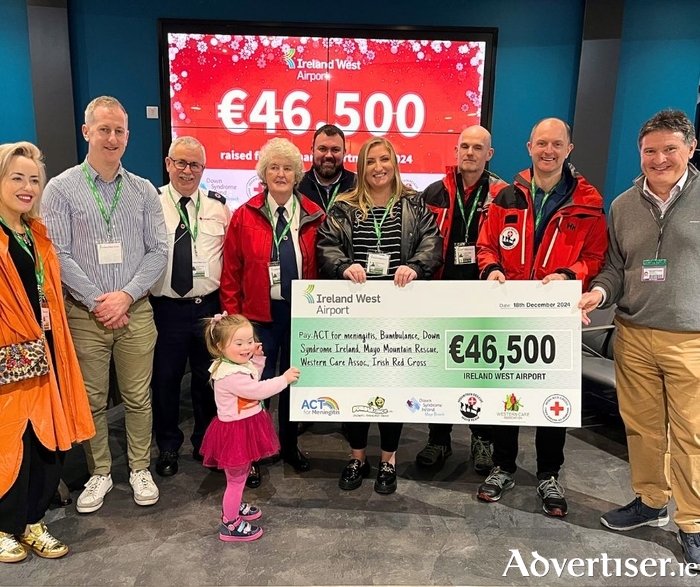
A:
[380,230]
[43,402]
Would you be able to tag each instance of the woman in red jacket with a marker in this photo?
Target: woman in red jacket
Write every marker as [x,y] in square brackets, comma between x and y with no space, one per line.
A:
[270,242]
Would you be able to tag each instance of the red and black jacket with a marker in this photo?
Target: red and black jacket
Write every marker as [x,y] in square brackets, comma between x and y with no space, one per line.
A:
[574,242]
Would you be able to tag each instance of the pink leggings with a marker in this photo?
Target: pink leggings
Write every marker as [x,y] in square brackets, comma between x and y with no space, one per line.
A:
[235,483]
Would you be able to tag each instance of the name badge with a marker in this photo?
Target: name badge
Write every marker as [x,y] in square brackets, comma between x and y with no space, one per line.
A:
[465,254]
[275,272]
[378,264]
[654,270]
[200,268]
[109,253]
[45,317]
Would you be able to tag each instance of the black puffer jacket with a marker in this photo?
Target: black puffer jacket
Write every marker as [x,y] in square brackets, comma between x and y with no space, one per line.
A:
[421,243]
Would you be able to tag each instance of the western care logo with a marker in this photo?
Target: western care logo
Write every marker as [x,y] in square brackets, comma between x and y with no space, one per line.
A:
[556,408]
[288,58]
[308,293]
[373,407]
[470,406]
[513,409]
[321,406]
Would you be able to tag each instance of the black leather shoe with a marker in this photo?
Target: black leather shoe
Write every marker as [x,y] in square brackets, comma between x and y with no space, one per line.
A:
[353,474]
[386,479]
[254,479]
[166,465]
[297,460]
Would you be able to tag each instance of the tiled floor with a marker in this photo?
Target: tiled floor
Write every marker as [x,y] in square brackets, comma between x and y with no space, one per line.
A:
[432,531]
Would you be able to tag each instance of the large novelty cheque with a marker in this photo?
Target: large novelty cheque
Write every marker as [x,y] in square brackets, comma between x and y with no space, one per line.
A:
[438,351]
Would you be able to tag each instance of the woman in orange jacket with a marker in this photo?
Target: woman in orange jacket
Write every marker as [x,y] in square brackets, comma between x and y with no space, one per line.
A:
[43,402]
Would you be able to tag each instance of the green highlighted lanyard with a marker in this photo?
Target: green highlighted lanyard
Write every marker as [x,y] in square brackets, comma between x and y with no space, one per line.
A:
[185,220]
[468,222]
[538,217]
[331,201]
[98,199]
[277,240]
[378,226]
[39,271]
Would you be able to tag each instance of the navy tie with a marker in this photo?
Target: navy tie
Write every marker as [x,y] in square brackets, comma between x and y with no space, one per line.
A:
[181,280]
[288,258]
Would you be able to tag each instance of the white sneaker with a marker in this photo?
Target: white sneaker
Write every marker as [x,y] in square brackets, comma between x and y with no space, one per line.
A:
[145,490]
[93,496]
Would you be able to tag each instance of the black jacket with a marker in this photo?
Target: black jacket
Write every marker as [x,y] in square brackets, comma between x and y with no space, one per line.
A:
[421,243]
[318,193]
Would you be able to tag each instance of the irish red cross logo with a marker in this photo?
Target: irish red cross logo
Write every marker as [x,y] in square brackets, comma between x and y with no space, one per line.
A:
[556,408]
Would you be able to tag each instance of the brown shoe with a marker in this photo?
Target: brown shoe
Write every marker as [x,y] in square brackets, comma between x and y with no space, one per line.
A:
[11,551]
[42,543]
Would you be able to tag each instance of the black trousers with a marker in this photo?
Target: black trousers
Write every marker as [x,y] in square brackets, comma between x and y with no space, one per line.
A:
[389,435]
[275,337]
[181,337]
[441,433]
[549,444]
[29,497]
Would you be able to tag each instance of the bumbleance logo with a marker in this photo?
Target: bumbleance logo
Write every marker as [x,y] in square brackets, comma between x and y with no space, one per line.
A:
[308,293]
[556,408]
[373,407]
[322,406]
[470,406]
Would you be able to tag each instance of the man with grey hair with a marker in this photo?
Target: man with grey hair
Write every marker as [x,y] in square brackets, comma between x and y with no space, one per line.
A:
[107,226]
[188,291]
[652,273]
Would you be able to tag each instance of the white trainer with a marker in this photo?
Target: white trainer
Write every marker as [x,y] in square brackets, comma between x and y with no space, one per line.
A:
[93,496]
[145,490]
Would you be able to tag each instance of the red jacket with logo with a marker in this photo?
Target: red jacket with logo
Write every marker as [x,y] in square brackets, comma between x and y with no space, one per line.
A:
[574,242]
[245,280]
[440,197]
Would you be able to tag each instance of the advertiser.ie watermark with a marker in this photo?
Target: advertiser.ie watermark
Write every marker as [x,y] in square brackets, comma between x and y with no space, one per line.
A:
[601,566]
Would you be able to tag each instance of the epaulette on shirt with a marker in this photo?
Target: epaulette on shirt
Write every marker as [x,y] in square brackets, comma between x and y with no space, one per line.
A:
[216,196]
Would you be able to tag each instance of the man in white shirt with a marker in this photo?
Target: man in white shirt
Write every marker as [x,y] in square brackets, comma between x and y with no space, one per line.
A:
[188,291]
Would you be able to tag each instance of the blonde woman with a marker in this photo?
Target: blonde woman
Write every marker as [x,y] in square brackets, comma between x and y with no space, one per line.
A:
[380,230]
[43,405]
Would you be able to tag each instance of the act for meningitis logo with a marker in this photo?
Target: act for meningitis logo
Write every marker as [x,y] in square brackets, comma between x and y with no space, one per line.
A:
[322,406]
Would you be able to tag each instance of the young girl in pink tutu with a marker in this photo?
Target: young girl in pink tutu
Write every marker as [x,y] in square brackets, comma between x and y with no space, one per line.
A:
[242,432]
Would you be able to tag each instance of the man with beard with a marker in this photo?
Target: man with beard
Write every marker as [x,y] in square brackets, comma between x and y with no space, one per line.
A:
[327,177]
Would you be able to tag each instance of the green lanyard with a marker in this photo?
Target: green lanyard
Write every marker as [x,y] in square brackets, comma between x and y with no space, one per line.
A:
[538,217]
[185,219]
[39,271]
[378,227]
[98,198]
[277,240]
[332,199]
[468,222]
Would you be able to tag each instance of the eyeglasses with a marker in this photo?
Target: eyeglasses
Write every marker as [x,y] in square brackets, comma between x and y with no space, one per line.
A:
[181,164]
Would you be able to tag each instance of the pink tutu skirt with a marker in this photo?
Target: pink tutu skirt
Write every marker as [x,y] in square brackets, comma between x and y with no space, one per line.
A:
[232,444]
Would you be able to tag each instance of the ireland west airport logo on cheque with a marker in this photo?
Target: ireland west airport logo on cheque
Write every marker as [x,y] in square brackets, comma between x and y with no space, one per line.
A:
[308,293]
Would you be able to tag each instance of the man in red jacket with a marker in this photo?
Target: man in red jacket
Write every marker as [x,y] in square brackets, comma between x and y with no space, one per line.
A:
[549,224]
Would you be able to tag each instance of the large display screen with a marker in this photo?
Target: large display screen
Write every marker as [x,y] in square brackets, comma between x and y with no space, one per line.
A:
[234,91]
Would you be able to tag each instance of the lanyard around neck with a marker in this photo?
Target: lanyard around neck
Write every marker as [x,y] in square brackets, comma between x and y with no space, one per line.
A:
[275,238]
[538,217]
[378,225]
[468,221]
[39,271]
[96,194]
[185,219]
